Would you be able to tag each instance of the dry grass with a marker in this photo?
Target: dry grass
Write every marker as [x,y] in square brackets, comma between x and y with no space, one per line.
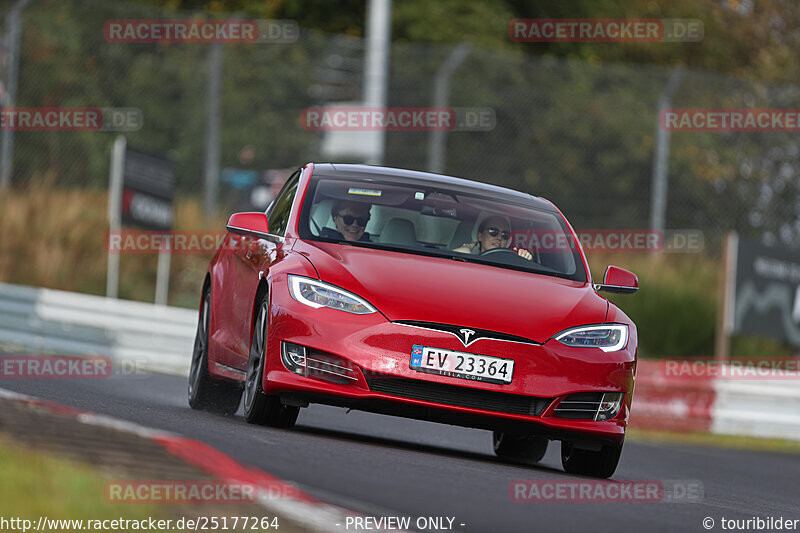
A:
[56,238]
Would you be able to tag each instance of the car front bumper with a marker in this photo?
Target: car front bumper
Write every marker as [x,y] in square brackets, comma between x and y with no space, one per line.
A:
[379,351]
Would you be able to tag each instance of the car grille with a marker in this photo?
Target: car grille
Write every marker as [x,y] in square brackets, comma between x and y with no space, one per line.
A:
[475,333]
[583,406]
[500,402]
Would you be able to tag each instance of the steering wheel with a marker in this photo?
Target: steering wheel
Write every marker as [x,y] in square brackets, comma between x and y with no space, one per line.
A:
[499,250]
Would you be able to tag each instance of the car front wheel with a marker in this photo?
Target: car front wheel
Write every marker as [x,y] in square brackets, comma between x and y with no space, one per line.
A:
[525,449]
[595,463]
[259,407]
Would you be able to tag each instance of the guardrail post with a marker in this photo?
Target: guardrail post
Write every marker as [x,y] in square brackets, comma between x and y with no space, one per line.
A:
[114,213]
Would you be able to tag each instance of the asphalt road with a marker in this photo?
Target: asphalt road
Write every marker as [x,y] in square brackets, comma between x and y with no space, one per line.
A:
[387,466]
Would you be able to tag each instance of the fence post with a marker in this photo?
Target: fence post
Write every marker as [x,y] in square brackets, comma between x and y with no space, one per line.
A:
[376,65]
[658,194]
[114,213]
[14,31]
[213,120]
[441,98]
[727,297]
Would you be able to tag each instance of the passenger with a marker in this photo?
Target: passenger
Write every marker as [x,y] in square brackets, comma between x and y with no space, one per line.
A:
[493,232]
[351,220]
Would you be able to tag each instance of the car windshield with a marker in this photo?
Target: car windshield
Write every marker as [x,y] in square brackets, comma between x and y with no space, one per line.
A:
[435,221]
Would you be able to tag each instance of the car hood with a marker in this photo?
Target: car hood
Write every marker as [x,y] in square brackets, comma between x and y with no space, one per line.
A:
[432,289]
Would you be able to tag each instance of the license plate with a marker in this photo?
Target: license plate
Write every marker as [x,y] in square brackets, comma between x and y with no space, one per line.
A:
[461,365]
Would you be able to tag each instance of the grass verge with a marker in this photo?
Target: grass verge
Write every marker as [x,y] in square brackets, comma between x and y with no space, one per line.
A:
[36,484]
[708,439]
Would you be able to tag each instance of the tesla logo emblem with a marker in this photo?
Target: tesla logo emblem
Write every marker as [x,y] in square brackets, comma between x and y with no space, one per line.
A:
[466,333]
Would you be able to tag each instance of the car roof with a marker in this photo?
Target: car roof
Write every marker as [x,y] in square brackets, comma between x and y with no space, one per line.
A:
[358,172]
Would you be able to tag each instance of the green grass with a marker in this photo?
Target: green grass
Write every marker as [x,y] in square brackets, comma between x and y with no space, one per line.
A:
[35,484]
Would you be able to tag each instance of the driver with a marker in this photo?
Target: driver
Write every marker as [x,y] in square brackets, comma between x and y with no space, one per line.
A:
[493,232]
[351,219]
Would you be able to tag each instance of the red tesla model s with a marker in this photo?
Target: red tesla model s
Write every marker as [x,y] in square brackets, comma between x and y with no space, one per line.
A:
[424,296]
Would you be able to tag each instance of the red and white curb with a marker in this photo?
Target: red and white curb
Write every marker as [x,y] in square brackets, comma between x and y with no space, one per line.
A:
[293,504]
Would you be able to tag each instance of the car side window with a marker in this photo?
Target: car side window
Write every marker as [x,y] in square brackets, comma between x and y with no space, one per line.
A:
[279,211]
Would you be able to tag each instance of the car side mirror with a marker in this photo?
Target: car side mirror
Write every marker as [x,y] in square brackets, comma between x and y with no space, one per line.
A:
[248,224]
[618,280]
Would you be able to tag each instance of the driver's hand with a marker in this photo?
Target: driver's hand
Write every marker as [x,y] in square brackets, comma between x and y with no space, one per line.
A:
[467,247]
[522,252]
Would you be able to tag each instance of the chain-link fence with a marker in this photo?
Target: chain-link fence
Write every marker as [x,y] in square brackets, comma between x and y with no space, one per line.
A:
[581,134]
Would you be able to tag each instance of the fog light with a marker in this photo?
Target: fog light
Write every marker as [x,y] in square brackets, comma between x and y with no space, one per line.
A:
[609,406]
[294,357]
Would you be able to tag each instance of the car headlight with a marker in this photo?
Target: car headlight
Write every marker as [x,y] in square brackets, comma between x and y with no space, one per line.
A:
[607,337]
[316,294]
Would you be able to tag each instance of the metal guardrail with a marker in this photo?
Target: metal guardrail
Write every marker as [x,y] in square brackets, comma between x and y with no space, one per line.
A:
[47,321]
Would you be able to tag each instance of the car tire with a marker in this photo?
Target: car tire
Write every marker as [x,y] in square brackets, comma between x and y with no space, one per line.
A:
[205,393]
[600,463]
[524,449]
[259,407]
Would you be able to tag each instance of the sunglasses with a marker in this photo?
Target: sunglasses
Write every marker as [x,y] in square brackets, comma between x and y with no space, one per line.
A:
[494,231]
[349,219]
